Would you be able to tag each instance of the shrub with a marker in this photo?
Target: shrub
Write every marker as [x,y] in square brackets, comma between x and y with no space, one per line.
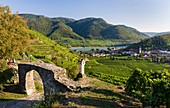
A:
[7,76]
[1,87]
[3,65]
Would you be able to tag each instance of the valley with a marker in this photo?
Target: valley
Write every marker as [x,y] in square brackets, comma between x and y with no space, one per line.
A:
[83,32]
[80,63]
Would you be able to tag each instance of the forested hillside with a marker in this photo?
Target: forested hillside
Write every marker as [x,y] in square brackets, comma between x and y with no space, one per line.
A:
[97,28]
[51,27]
[69,31]
[158,42]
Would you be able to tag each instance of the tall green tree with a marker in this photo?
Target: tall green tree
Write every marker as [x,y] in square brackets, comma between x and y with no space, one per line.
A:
[13,33]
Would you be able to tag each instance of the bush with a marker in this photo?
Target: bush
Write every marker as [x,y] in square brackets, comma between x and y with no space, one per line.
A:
[3,65]
[7,76]
[1,87]
[39,56]
[71,66]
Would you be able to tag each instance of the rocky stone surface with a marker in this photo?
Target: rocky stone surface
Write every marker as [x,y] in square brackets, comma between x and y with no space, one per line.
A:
[54,78]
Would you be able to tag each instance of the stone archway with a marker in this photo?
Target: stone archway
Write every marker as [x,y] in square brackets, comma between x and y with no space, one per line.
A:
[50,75]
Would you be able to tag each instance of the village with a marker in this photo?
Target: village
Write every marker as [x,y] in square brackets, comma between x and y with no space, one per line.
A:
[161,56]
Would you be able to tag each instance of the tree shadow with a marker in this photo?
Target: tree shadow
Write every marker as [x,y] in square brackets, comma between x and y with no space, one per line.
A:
[99,102]
[115,100]
[122,97]
[89,101]
[109,93]
[12,88]
[11,92]
[7,103]
[1,100]
[104,92]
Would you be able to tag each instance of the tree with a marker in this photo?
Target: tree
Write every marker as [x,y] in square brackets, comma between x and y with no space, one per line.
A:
[13,33]
[109,49]
[97,50]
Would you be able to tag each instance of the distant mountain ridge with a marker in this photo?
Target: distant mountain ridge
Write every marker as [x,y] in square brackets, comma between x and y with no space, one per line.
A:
[163,33]
[63,29]
[151,34]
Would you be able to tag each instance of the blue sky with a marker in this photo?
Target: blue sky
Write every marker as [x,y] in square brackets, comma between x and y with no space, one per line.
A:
[144,15]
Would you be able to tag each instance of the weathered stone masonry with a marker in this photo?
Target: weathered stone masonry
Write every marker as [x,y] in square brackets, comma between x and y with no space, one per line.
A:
[54,78]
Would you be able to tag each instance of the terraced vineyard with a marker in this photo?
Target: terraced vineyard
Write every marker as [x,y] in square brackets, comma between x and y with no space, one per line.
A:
[118,71]
[49,51]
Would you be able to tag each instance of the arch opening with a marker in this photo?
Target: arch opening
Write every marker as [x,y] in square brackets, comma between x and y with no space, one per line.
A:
[33,83]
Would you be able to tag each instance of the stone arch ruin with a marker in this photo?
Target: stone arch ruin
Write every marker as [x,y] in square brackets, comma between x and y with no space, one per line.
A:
[54,78]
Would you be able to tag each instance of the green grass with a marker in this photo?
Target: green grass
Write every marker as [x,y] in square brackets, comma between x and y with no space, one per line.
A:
[6,96]
[38,86]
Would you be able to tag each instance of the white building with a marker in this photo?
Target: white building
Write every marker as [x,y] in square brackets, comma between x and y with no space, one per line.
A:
[81,63]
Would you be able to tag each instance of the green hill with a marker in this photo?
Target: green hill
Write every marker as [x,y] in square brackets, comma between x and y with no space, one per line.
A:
[48,50]
[157,42]
[60,30]
[54,28]
[84,31]
[97,28]
[89,28]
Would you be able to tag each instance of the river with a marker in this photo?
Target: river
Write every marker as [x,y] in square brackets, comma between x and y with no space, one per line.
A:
[89,48]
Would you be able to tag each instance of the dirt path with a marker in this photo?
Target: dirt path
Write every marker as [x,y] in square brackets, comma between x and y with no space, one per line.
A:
[27,102]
